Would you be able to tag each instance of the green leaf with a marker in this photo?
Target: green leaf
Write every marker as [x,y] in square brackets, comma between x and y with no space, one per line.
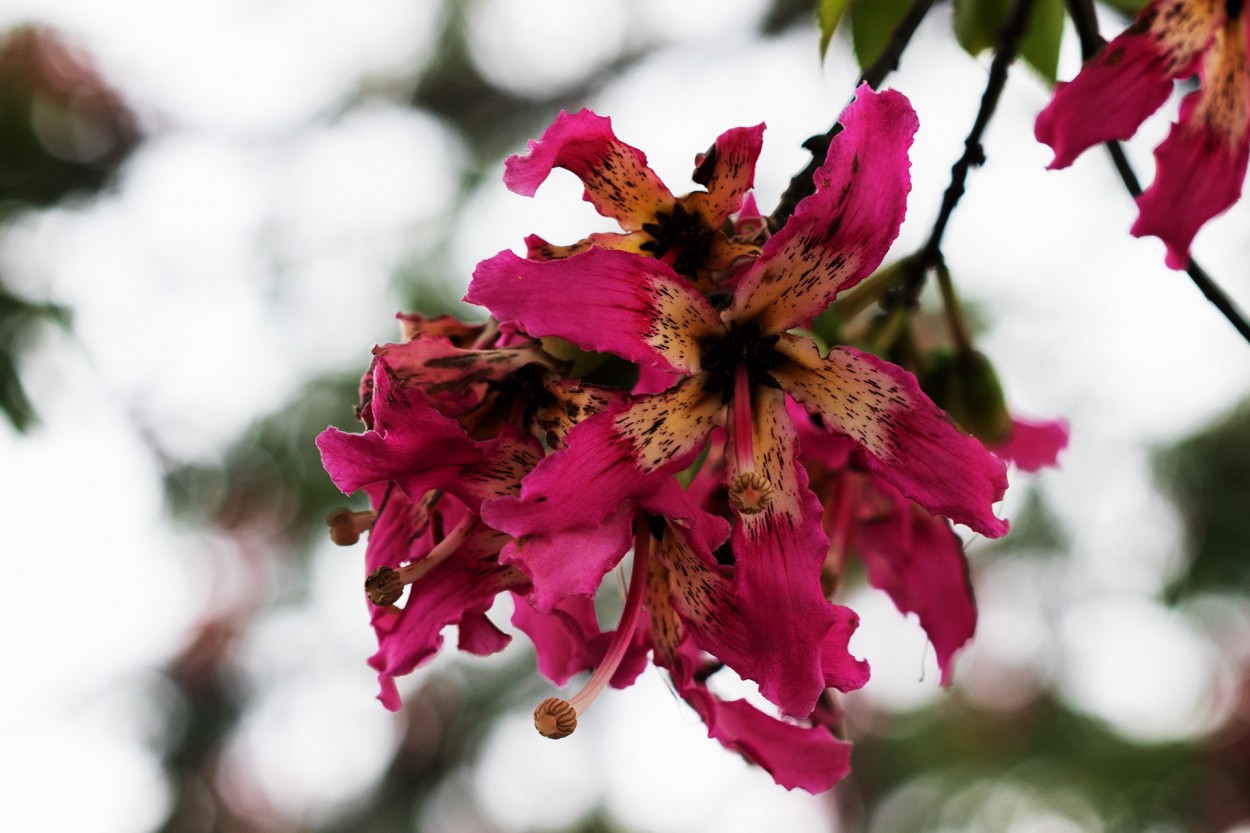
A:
[1040,48]
[828,16]
[872,22]
[977,23]
[1128,7]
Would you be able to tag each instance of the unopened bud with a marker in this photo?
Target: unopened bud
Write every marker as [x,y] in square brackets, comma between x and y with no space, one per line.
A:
[964,384]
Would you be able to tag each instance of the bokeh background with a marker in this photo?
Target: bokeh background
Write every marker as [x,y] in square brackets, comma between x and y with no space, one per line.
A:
[210,211]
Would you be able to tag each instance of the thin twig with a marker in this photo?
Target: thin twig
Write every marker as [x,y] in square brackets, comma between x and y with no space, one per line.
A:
[1082,12]
[1005,51]
[803,185]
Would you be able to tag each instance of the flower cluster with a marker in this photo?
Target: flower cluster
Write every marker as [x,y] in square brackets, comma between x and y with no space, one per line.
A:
[741,466]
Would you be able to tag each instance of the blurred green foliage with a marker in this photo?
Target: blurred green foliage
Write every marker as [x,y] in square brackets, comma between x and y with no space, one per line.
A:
[1208,478]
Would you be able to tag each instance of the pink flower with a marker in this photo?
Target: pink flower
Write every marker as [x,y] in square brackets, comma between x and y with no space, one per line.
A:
[1202,164]
[685,232]
[738,365]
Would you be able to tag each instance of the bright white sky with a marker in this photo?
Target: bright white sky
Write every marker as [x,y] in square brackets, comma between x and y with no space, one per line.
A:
[211,284]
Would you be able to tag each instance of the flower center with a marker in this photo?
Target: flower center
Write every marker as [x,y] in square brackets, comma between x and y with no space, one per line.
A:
[1232,8]
[742,345]
[346,525]
[681,239]
[556,718]
[385,585]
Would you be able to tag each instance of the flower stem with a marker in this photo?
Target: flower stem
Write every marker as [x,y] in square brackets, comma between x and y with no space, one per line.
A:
[1006,49]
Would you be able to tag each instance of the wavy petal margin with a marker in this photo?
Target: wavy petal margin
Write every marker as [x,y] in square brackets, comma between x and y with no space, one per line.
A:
[728,173]
[1201,166]
[778,554]
[907,439]
[618,181]
[839,234]
[1128,80]
[608,301]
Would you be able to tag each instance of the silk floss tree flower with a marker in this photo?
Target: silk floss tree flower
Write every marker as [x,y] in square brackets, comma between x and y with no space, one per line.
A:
[1201,165]
[687,233]
[736,365]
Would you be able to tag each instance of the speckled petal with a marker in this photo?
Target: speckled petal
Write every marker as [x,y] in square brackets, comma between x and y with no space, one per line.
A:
[537,248]
[778,553]
[840,234]
[905,437]
[1129,79]
[611,302]
[727,172]
[1201,166]
[454,379]
[618,182]
[623,454]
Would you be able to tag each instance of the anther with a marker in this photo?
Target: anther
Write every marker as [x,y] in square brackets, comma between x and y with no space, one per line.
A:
[555,718]
[346,525]
[384,586]
[750,493]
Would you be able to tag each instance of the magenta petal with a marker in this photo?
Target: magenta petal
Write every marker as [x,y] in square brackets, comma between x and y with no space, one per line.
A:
[840,234]
[842,671]
[796,756]
[803,757]
[918,560]
[608,301]
[618,182]
[1201,165]
[564,562]
[478,635]
[1034,445]
[412,444]
[907,439]
[388,693]
[568,641]
[452,378]
[562,638]
[1111,96]
[778,554]
[464,584]
[730,173]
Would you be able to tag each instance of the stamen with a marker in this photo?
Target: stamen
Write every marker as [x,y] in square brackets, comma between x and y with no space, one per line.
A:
[346,525]
[385,585]
[556,718]
[749,491]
